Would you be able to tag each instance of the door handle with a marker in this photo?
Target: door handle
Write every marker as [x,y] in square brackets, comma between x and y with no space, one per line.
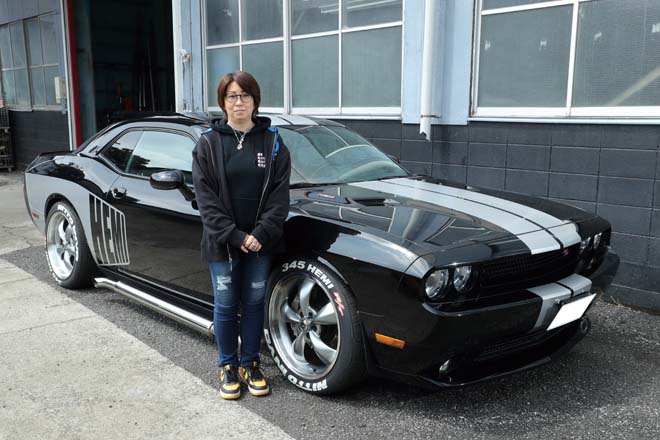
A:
[119,192]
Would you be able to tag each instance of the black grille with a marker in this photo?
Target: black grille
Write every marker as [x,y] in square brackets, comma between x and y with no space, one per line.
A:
[535,269]
[519,343]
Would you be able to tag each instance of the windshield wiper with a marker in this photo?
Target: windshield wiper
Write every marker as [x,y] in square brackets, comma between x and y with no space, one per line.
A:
[309,184]
[392,177]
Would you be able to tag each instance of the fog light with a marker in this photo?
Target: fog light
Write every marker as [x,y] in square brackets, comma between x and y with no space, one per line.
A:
[444,367]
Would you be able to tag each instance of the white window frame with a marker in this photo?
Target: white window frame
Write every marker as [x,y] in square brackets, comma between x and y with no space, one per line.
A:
[287,38]
[28,67]
[56,106]
[16,106]
[568,113]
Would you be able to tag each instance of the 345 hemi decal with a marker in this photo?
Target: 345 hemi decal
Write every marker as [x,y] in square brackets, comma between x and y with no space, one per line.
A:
[108,233]
[299,264]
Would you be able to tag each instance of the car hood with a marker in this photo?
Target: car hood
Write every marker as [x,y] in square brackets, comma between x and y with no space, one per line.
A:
[430,213]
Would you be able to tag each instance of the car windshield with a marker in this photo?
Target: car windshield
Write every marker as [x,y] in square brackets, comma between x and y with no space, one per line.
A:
[329,154]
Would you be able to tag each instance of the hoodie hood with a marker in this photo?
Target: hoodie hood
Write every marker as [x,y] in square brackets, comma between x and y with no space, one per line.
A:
[261,124]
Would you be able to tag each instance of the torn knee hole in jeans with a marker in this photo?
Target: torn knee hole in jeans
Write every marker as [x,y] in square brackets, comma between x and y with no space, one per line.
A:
[258,284]
[221,282]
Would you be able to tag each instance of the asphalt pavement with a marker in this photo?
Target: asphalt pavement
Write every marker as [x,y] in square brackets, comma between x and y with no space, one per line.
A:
[607,387]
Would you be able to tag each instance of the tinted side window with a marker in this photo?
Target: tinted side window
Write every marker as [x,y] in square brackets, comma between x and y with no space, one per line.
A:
[120,151]
[157,151]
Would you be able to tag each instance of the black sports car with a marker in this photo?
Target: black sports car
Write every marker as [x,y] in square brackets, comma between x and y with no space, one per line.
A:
[386,272]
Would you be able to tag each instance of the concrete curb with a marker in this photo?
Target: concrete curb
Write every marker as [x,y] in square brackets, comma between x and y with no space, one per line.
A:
[68,373]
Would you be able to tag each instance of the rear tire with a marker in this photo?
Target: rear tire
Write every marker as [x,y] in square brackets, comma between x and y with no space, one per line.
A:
[69,259]
[312,328]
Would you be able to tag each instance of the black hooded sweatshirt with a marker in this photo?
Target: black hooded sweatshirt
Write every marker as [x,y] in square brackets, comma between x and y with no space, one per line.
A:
[241,192]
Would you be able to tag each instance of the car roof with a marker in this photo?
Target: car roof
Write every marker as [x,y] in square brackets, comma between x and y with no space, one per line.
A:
[200,120]
[203,119]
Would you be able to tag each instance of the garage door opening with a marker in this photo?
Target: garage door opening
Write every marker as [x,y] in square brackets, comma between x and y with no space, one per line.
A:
[123,57]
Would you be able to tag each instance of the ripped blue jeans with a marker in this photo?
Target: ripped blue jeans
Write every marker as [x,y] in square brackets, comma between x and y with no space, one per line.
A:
[239,283]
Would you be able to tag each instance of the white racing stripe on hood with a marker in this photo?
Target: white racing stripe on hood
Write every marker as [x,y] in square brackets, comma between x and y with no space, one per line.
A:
[562,230]
[536,240]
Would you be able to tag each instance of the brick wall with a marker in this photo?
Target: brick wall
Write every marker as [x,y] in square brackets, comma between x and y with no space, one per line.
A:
[612,170]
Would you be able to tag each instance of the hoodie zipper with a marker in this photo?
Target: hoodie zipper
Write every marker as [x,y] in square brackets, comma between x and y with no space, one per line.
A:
[215,170]
[263,191]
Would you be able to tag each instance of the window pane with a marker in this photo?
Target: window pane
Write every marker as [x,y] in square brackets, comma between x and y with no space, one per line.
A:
[371,74]
[22,87]
[17,44]
[264,62]
[314,16]
[492,4]
[219,62]
[37,86]
[366,12]
[50,75]
[5,48]
[261,19]
[120,151]
[523,58]
[8,87]
[618,54]
[49,38]
[34,42]
[157,151]
[315,72]
[221,21]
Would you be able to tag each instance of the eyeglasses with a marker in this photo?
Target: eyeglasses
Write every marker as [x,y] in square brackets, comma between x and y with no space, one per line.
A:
[245,97]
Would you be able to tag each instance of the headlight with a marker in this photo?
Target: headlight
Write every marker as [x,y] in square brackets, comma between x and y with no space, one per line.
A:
[436,283]
[584,244]
[462,278]
[597,238]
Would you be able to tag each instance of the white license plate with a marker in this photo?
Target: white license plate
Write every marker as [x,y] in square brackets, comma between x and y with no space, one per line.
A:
[571,311]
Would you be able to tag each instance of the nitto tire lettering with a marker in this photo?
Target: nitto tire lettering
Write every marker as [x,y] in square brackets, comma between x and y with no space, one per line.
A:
[276,358]
[308,386]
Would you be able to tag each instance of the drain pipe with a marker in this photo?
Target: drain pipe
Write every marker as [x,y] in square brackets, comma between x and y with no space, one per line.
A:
[427,68]
[180,315]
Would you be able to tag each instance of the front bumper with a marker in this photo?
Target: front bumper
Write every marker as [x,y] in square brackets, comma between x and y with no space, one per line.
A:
[472,346]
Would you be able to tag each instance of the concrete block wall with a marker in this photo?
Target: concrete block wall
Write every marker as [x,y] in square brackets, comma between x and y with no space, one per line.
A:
[612,170]
[37,132]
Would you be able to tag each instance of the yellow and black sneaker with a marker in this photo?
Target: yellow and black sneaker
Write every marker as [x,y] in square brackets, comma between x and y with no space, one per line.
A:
[230,387]
[254,378]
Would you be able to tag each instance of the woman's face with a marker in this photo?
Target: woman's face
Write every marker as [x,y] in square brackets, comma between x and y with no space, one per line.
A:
[240,110]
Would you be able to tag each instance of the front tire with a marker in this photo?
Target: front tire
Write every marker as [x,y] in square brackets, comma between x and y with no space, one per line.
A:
[69,259]
[312,328]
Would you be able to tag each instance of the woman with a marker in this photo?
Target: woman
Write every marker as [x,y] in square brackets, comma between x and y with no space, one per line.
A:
[241,174]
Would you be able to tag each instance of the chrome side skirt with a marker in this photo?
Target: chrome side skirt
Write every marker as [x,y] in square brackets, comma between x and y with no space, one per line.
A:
[178,314]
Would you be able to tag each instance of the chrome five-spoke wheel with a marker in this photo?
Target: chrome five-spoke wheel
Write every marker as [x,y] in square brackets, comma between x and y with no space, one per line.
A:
[61,245]
[69,258]
[312,328]
[304,325]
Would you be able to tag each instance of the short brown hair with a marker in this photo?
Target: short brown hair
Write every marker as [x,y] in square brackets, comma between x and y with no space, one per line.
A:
[246,82]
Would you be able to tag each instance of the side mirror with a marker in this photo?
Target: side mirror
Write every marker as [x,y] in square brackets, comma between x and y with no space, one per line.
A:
[171,179]
[168,179]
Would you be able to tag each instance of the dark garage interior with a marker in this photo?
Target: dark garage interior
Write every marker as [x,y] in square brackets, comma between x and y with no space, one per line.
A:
[124,60]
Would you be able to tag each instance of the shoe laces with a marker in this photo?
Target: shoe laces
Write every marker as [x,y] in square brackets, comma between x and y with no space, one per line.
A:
[229,375]
[254,372]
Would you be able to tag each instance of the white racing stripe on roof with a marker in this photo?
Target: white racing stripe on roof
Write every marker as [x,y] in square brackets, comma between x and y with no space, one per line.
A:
[536,240]
[562,230]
